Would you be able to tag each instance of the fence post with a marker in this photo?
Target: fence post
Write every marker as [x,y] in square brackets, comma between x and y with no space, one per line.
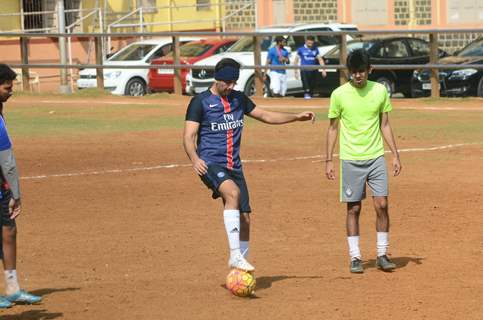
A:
[99,71]
[24,54]
[177,72]
[342,58]
[433,59]
[258,72]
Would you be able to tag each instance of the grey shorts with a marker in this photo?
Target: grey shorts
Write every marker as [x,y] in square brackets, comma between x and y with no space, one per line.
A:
[355,174]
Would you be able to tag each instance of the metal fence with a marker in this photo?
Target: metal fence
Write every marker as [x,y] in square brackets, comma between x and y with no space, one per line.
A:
[257,36]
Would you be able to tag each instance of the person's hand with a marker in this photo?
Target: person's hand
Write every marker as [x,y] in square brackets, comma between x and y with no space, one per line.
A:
[200,167]
[323,72]
[329,170]
[14,208]
[396,164]
[306,116]
[264,76]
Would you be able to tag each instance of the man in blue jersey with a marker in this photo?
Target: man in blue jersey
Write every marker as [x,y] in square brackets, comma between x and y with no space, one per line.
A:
[278,56]
[309,56]
[10,205]
[212,136]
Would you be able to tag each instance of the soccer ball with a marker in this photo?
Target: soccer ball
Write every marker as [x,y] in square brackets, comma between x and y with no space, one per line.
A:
[240,283]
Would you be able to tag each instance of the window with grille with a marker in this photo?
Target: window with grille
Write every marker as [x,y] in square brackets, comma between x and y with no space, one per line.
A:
[203,5]
[32,21]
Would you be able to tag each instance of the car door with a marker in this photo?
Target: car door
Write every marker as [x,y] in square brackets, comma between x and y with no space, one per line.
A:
[396,51]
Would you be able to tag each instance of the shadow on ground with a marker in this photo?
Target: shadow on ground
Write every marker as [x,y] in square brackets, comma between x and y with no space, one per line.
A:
[400,262]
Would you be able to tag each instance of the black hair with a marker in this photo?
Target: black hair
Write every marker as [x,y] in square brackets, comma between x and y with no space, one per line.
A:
[6,74]
[312,38]
[227,62]
[358,60]
[279,39]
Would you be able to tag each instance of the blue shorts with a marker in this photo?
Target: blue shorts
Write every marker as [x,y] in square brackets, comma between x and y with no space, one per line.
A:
[217,174]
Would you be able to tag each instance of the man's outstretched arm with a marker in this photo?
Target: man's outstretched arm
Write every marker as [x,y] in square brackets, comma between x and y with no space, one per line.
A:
[275,117]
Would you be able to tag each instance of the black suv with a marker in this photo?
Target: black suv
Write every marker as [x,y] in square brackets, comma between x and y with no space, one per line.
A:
[393,50]
[456,82]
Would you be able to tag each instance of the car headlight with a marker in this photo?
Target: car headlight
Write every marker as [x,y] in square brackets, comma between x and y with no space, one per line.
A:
[112,75]
[462,74]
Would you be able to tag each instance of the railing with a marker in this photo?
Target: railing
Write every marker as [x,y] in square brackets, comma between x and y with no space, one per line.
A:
[433,66]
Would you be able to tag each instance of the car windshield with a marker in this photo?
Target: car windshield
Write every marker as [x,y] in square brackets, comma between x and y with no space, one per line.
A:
[474,49]
[246,44]
[192,49]
[133,52]
[351,46]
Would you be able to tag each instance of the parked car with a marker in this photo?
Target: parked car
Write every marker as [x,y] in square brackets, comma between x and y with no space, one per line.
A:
[391,50]
[455,82]
[243,52]
[162,79]
[131,82]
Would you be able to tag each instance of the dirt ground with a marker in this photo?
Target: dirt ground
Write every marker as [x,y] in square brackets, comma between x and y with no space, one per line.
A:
[117,225]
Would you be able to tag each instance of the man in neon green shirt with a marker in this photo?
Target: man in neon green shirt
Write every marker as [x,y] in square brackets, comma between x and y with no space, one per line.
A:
[361,107]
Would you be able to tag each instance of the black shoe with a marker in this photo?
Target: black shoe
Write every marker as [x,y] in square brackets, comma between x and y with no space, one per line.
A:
[384,263]
[356,266]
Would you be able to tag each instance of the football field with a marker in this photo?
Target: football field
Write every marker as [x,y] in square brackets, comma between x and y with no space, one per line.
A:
[116,225]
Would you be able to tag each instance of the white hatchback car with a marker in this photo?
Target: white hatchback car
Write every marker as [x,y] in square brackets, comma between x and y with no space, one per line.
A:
[198,80]
[131,82]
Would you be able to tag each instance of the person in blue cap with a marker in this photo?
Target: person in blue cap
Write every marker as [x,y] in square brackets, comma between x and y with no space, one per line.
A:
[10,204]
[212,137]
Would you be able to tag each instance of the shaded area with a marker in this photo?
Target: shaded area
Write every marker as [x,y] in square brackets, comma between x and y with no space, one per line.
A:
[33,315]
[400,262]
[266,282]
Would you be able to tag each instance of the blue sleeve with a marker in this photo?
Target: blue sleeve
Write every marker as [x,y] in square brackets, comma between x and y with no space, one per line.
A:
[270,54]
[5,142]
[248,104]
[195,110]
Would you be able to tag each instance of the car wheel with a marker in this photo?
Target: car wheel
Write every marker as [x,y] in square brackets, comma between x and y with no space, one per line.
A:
[480,88]
[388,83]
[250,87]
[135,87]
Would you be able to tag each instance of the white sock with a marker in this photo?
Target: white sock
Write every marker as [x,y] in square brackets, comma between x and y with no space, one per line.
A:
[232,228]
[11,282]
[354,250]
[382,243]
[244,246]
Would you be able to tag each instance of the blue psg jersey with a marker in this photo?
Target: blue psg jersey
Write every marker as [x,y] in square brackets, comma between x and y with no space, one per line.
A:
[308,56]
[221,124]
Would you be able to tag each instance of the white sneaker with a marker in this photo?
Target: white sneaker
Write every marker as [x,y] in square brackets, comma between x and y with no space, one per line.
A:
[238,262]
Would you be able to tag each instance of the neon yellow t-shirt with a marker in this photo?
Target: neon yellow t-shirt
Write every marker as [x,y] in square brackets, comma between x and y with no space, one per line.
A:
[359,111]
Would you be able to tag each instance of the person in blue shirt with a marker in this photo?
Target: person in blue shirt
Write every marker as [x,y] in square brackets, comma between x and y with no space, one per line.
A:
[211,139]
[278,56]
[10,204]
[309,56]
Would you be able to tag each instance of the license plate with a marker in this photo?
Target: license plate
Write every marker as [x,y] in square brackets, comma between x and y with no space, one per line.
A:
[427,86]
[86,83]
[165,71]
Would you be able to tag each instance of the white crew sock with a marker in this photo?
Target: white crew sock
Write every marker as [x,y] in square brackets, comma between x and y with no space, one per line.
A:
[232,227]
[354,250]
[382,243]
[11,282]
[244,246]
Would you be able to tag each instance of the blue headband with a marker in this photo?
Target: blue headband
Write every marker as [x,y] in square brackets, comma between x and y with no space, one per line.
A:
[227,73]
